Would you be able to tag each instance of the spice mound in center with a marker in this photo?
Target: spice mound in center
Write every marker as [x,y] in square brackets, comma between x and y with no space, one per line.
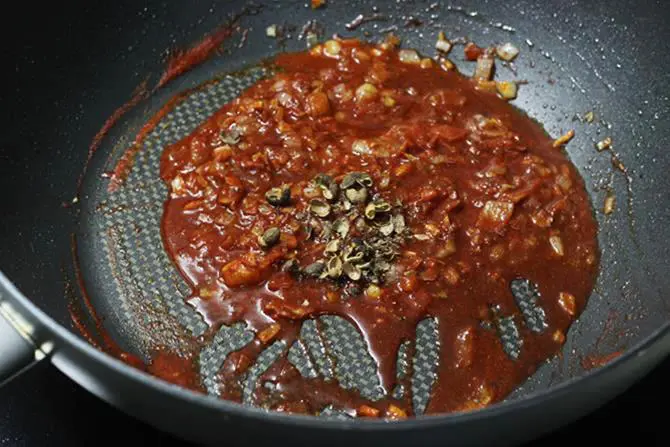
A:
[361,234]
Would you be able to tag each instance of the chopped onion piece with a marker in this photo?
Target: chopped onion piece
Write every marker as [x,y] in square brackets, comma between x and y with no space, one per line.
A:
[426,63]
[589,117]
[390,41]
[342,93]
[487,86]
[367,411]
[484,68]
[409,56]
[360,55]
[496,213]
[360,147]
[394,412]
[271,31]
[443,44]
[447,65]
[311,39]
[564,182]
[563,139]
[332,48]
[558,336]
[568,303]
[366,92]
[604,144]
[507,52]
[610,201]
[269,333]
[507,89]
[285,99]
[388,100]
[177,184]
[557,245]
[279,85]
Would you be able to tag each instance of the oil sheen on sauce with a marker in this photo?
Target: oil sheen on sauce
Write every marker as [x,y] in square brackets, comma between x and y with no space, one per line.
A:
[384,191]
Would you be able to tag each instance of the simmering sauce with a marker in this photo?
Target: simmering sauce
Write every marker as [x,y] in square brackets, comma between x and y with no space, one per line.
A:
[367,184]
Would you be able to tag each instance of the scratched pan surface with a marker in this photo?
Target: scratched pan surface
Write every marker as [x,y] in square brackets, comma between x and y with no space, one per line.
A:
[576,58]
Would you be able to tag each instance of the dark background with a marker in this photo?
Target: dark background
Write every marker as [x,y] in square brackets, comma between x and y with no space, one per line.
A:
[43,407]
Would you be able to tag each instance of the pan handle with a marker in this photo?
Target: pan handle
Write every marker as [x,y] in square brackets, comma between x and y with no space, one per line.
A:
[17,350]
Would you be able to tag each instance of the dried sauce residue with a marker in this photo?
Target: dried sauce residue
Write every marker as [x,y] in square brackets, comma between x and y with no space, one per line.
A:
[98,337]
[596,361]
[177,368]
[182,61]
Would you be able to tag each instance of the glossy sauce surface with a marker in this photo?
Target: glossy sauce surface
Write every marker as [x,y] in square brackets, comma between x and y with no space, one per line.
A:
[448,192]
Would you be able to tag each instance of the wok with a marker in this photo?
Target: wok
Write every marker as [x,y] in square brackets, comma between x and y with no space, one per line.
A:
[73,66]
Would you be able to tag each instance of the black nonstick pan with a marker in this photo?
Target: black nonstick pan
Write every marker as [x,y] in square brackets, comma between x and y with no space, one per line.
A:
[70,248]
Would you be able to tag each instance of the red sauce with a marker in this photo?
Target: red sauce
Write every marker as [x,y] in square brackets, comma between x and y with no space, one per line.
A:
[473,192]
[178,369]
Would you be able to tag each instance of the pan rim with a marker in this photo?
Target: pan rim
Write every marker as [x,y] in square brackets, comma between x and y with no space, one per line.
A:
[423,421]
